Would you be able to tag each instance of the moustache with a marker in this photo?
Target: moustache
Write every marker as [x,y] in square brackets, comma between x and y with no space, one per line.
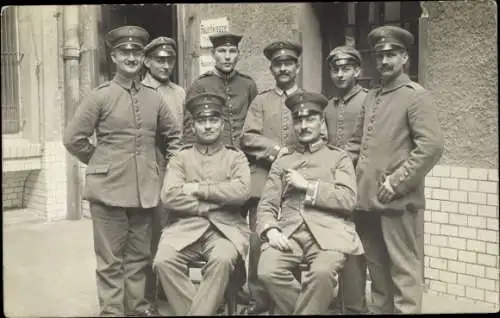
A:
[304,131]
[386,68]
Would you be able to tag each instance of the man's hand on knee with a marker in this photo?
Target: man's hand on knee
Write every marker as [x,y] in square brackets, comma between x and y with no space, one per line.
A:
[278,241]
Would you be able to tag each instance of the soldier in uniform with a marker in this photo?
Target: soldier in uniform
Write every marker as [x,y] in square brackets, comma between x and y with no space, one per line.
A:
[341,112]
[396,142]
[267,135]
[160,59]
[122,178]
[205,186]
[237,88]
[304,215]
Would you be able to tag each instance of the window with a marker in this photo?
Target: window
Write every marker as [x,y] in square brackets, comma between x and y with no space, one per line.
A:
[350,22]
[11,57]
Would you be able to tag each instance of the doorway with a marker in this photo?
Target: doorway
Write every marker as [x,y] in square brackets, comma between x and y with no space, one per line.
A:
[157,19]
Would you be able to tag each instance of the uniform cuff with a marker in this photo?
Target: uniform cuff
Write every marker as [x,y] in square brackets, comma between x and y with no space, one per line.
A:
[311,193]
[272,153]
[398,180]
[202,209]
[267,227]
[203,190]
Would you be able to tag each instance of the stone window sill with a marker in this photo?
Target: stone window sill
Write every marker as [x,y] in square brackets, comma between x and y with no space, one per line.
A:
[19,154]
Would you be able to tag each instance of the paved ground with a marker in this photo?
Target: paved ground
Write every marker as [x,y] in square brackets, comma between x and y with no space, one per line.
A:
[49,271]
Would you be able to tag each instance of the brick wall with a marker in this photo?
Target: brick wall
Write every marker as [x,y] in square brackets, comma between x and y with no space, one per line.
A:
[12,189]
[461,233]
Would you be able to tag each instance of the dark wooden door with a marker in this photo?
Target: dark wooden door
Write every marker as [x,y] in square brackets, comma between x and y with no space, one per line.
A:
[157,19]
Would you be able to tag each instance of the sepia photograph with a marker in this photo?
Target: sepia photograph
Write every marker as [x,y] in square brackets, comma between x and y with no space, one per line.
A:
[250,158]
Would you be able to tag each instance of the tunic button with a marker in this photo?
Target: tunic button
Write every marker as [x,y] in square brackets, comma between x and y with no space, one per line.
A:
[369,128]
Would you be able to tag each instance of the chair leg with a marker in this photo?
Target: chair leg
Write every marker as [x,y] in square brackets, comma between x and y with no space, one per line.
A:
[231,303]
[341,294]
[157,293]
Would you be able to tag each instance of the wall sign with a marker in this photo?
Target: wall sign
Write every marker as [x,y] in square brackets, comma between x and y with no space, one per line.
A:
[211,26]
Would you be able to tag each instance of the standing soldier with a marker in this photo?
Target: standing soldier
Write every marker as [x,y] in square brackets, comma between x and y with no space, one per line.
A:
[237,88]
[122,178]
[304,215]
[267,135]
[396,142]
[160,62]
[205,186]
[341,112]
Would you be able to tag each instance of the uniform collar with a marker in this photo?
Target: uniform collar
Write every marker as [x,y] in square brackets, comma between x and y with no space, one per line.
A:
[289,92]
[355,90]
[398,82]
[225,77]
[127,83]
[315,146]
[209,150]
[152,82]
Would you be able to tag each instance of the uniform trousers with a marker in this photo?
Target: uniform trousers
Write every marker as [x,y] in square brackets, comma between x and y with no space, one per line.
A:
[171,266]
[394,258]
[354,275]
[122,242]
[318,289]
[157,223]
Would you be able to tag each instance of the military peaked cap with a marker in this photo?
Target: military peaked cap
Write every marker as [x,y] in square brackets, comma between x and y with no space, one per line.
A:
[344,54]
[225,38]
[388,37]
[161,46]
[127,36]
[282,50]
[306,103]
[205,105]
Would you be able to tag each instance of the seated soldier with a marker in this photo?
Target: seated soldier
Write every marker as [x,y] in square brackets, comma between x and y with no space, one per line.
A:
[304,215]
[204,188]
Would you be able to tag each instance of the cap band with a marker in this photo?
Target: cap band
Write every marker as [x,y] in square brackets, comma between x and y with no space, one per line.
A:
[304,112]
[284,53]
[163,50]
[341,62]
[207,113]
[387,44]
[129,42]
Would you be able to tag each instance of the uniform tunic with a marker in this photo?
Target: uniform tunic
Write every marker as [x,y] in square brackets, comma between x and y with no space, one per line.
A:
[122,168]
[174,96]
[268,127]
[224,179]
[341,114]
[398,137]
[238,89]
[331,173]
